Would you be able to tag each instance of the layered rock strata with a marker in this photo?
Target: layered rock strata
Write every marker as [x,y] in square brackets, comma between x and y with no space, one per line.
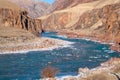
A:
[19,19]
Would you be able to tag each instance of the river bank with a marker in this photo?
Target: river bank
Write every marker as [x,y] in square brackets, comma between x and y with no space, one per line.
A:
[76,55]
[37,44]
[14,40]
[109,70]
[114,44]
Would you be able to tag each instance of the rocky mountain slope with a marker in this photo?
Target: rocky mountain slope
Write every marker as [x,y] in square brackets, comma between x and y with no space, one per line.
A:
[35,8]
[9,5]
[87,19]
[62,4]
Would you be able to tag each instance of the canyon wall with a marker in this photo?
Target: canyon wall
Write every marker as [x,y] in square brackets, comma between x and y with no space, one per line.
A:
[105,20]
[98,19]
[19,19]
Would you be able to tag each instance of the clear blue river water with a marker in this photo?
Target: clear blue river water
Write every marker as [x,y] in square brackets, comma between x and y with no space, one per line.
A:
[83,53]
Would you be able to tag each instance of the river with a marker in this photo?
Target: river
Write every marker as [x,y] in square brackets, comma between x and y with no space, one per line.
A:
[27,66]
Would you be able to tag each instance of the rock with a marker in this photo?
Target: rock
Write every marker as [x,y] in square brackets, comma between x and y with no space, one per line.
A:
[70,78]
[19,19]
[112,61]
[32,25]
[83,72]
[107,71]
[101,76]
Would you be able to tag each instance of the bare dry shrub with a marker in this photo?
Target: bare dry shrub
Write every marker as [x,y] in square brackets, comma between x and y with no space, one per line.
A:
[49,72]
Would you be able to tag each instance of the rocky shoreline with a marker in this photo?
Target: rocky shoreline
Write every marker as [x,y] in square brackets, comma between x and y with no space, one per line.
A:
[113,45]
[98,20]
[109,70]
[37,44]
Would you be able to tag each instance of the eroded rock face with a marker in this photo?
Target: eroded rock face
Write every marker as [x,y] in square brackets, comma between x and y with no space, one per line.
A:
[95,19]
[105,20]
[56,22]
[19,19]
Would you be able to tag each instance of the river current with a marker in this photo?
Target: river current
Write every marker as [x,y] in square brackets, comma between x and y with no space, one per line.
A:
[27,66]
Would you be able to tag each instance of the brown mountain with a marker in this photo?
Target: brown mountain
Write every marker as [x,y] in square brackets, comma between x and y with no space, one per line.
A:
[35,8]
[97,20]
[62,4]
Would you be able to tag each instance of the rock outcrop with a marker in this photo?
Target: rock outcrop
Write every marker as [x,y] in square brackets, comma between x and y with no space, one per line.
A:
[88,19]
[19,19]
[29,24]
[12,15]
[109,70]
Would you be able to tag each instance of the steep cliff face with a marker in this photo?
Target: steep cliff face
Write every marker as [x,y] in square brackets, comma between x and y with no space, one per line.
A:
[19,19]
[32,25]
[34,7]
[94,19]
[105,20]
[65,19]
[11,15]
